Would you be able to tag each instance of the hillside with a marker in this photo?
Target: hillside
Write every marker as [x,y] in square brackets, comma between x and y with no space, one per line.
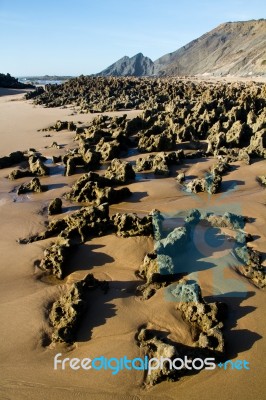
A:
[234,48]
[138,65]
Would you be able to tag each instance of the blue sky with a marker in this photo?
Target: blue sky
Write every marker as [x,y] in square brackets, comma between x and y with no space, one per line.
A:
[73,37]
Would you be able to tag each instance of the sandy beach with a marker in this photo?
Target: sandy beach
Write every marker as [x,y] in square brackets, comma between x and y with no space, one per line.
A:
[110,324]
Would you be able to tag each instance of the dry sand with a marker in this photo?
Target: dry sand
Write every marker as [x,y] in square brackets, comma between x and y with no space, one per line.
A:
[110,325]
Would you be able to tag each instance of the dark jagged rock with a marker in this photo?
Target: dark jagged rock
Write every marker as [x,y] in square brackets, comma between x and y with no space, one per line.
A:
[33,186]
[66,313]
[158,142]
[220,167]
[108,150]
[34,93]
[55,207]
[159,163]
[13,158]
[70,164]
[131,225]
[19,173]
[8,81]
[77,227]
[37,167]
[176,111]
[238,135]
[158,268]
[57,159]
[85,190]
[120,171]
[61,125]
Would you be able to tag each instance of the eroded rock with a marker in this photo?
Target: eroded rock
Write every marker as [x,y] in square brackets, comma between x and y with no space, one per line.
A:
[55,207]
[204,318]
[66,313]
[126,225]
[33,186]
[120,171]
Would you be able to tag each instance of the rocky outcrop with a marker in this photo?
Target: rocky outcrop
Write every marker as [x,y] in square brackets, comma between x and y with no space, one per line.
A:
[66,313]
[205,322]
[227,220]
[13,158]
[210,184]
[108,150]
[176,111]
[158,268]
[8,81]
[33,186]
[262,180]
[88,191]
[159,163]
[120,171]
[19,173]
[34,93]
[55,257]
[159,142]
[205,319]
[78,226]
[126,225]
[251,266]
[154,346]
[71,231]
[36,168]
[55,207]
[61,126]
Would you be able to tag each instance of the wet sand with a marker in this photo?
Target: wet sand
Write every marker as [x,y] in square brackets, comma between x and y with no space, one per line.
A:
[110,325]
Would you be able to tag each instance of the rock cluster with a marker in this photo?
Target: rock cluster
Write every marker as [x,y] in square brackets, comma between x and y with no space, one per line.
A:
[95,191]
[230,117]
[205,321]
[36,168]
[161,267]
[78,226]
